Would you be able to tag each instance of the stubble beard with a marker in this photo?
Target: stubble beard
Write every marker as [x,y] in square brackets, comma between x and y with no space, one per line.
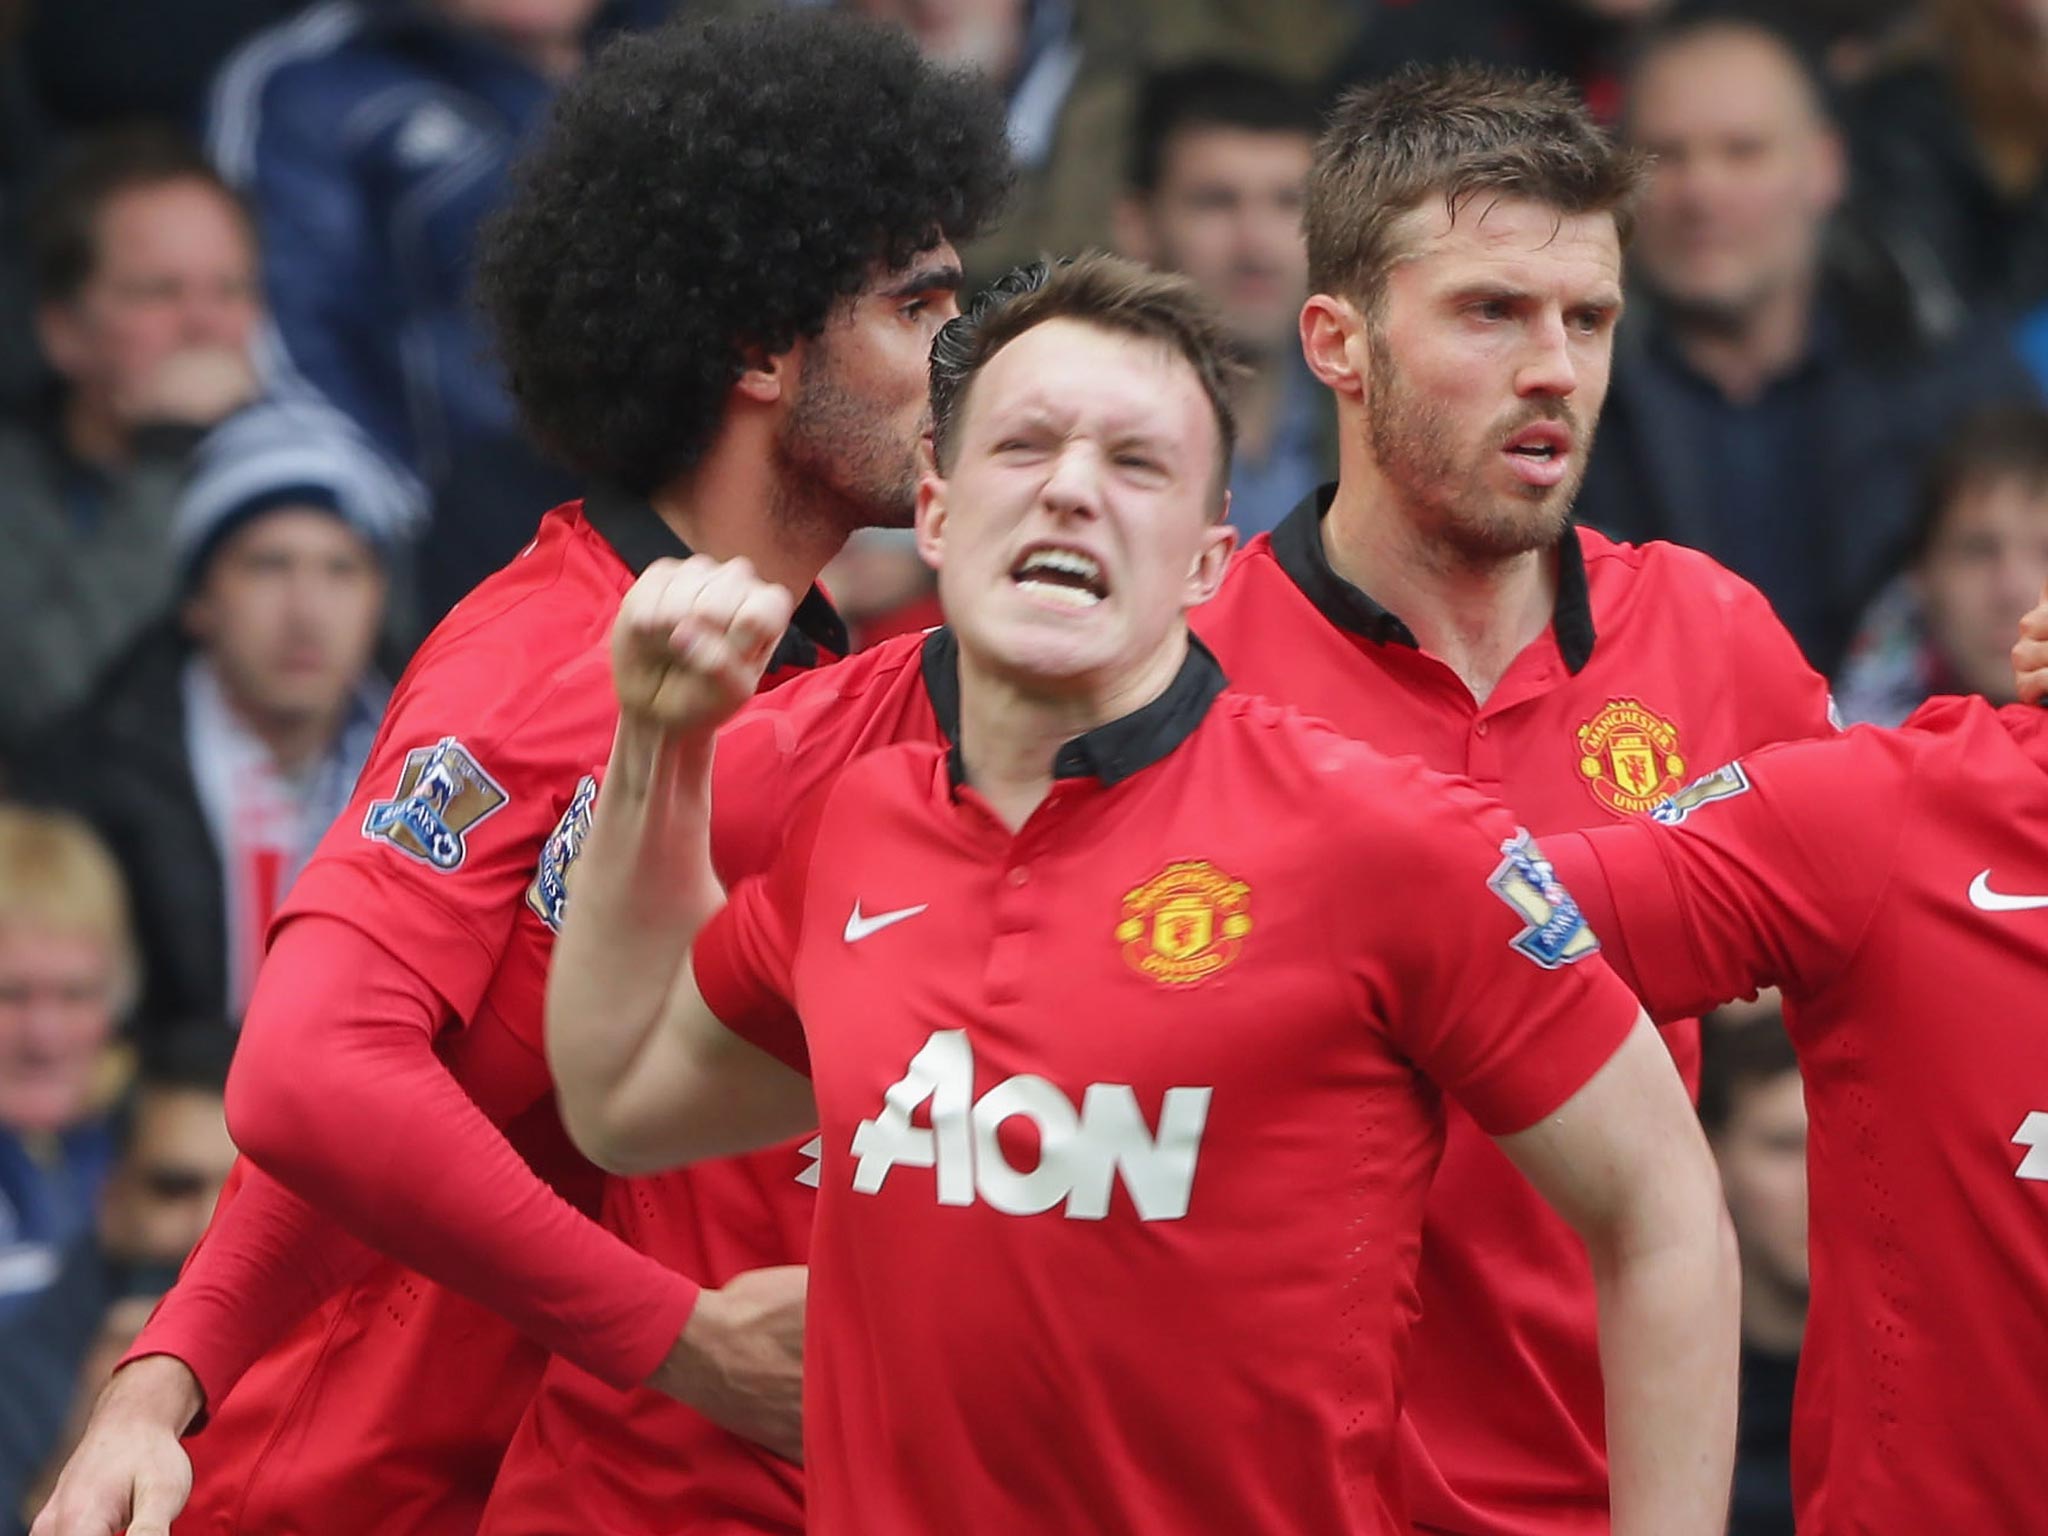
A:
[1415,446]
[838,465]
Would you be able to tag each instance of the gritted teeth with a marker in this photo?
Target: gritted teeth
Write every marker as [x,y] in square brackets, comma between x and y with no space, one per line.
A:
[1065,570]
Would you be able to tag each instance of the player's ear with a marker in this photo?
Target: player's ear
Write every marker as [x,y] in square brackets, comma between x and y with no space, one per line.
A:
[1332,343]
[766,377]
[1212,560]
[930,526]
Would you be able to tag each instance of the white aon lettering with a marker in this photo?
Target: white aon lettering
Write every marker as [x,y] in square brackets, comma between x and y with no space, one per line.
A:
[1081,1152]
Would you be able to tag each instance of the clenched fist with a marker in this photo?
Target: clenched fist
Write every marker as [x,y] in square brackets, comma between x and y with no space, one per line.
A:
[2030,656]
[691,640]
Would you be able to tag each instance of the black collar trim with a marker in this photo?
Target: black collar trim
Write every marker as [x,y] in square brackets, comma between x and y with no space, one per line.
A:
[1298,546]
[1110,753]
[639,537]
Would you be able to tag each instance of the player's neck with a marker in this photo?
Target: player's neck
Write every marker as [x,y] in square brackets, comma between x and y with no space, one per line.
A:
[725,508]
[1474,617]
[1011,730]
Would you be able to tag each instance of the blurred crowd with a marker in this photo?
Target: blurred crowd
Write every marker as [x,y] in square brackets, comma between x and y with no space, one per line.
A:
[254,443]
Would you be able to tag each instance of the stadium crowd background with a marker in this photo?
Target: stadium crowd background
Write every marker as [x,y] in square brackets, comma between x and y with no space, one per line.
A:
[253,444]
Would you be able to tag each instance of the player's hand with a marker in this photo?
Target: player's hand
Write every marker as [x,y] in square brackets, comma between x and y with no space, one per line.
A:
[2030,656]
[691,640]
[129,1471]
[196,387]
[740,1359]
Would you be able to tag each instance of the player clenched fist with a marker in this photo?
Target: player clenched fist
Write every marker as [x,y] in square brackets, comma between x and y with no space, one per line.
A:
[691,641]
[2030,656]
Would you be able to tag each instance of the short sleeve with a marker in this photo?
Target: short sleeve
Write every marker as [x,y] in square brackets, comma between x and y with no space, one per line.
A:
[440,844]
[1765,872]
[1489,981]
[744,959]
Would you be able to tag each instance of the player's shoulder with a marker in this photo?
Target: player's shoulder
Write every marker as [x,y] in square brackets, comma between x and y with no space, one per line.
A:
[1665,581]
[1301,764]
[527,638]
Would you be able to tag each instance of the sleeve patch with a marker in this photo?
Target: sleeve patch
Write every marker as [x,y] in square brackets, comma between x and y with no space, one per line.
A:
[1724,783]
[1557,934]
[443,793]
[548,896]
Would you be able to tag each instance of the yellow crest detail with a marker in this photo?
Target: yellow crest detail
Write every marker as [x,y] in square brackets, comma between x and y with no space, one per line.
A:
[1629,756]
[1186,923]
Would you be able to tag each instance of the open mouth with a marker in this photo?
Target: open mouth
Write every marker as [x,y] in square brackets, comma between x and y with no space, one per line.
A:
[1539,452]
[1055,574]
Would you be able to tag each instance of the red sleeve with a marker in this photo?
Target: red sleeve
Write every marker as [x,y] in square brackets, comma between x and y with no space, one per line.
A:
[338,1092]
[1485,973]
[1782,698]
[1764,873]
[744,959]
[266,1261]
[467,781]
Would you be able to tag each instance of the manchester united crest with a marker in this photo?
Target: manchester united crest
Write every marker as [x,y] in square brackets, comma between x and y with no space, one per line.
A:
[1186,923]
[1629,756]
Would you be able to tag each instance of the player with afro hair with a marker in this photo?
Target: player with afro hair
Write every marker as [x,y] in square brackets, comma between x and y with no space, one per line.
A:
[708,193]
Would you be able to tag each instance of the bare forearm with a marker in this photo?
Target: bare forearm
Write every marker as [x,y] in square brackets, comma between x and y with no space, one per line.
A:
[1668,1349]
[640,890]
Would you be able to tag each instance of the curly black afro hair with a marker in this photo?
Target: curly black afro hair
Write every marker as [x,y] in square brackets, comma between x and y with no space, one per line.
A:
[711,188]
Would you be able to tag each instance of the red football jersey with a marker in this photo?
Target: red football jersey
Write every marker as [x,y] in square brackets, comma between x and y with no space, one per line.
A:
[390,1407]
[589,1456]
[1658,665]
[1895,885]
[1126,1118]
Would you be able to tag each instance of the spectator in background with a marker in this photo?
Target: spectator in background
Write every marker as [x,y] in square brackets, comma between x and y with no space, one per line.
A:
[1218,174]
[1581,41]
[1979,556]
[2033,343]
[67,978]
[110,61]
[1952,158]
[372,139]
[215,754]
[1067,69]
[1765,409]
[1754,1110]
[882,587]
[174,1157]
[147,305]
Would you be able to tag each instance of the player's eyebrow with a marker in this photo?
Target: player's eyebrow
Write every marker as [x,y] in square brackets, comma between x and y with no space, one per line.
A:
[940,278]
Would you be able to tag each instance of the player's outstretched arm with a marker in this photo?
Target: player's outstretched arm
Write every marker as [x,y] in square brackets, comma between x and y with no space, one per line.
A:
[1624,1161]
[2030,655]
[646,1076]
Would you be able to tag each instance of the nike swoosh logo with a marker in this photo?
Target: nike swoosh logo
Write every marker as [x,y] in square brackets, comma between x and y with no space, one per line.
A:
[859,927]
[1986,899]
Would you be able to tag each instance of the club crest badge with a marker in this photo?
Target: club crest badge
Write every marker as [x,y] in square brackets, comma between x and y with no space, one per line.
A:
[1629,756]
[1186,923]
[1556,933]
[548,896]
[442,794]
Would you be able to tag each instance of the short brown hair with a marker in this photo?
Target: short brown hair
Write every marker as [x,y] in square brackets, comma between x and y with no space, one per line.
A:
[1452,133]
[64,223]
[2005,444]
[1100,290]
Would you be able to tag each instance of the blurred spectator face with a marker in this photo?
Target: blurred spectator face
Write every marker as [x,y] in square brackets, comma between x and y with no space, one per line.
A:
[59,991]
[983,35]
[524,21]
[163,1190]
[287,611]
[1984,567]
[175,276]
[1488,364]
[1227,212]
[862,401]
[1762,1155]
[1747,171]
